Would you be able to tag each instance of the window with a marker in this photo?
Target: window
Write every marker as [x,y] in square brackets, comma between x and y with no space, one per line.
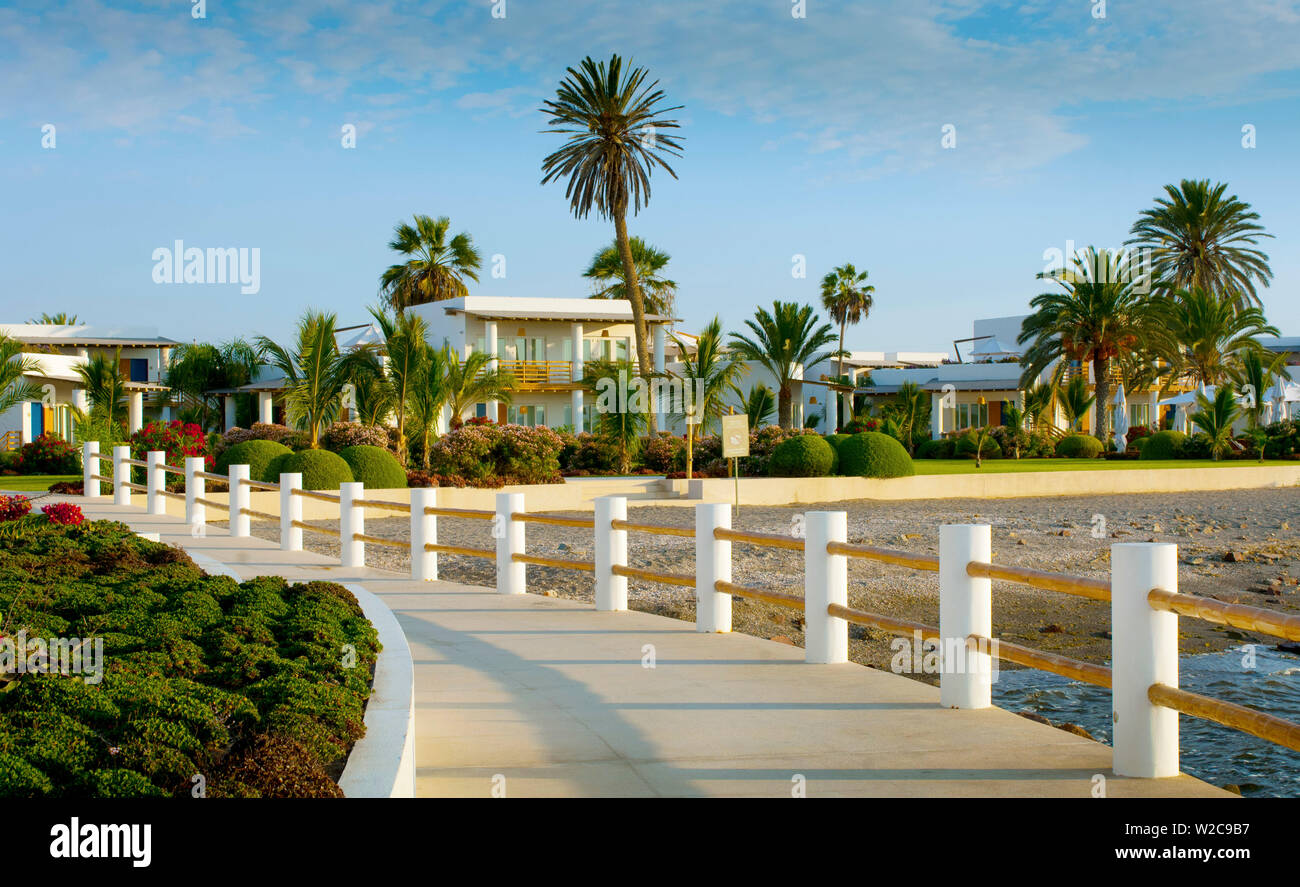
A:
[532,416]
[972,415]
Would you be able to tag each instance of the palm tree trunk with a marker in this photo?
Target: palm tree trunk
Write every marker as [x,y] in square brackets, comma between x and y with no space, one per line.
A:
[1101,374]
[785,407]
[634,296]
[840,374]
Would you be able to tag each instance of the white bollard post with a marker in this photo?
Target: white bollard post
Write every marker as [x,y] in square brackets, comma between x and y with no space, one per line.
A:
[611,550]
[90,467]
[196,513]
[965,608]
[121,476]
[155,482]
[511,575]
[712,565]
[1144,651]
[424,531]
[290,512]
[241,498]
[826,582]
[352,520]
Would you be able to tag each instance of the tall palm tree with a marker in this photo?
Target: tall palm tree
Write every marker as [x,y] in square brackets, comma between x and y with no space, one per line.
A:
[759,404]
[101,377]
[1254,374]
[1040,403]
[1201,239]
[428,394]
[1095,317]
[712,371]
[61,318]
[195,370]
[436,267]
[406,349]
[1204,334]
[783,342]
[615,135]
[910,408]
[315,372]
[847,298]
[373,393]
[607,274]
[621,427]
[1215,418]
[14,367]
[471,382]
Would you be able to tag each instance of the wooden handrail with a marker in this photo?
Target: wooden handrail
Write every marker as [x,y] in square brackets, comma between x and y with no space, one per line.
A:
[141,487]
[1243,616]
[895,556]
[259,484]
[170,495]
[379,540]
[654,529]
[1062,665]
[172,469]
[763,540]
[312,494]
[779,598]
[1096,589]
[679,579]
[471,513]
[1229,714]
[383,504]
[107,480]
[306,526]
[209,502]
[885,623]
[262,514]
[558,562]
[138,462]
[461,549]
[558,520]
[210,476]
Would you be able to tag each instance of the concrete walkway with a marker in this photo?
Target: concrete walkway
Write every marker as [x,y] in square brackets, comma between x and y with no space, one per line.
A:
[547,697]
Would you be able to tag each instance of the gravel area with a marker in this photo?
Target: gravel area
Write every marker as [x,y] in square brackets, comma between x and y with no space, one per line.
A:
[1252,528]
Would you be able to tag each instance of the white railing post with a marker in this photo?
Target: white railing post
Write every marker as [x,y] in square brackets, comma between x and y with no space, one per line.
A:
[121,476]
[155,482]
[826,582]
[241,498]
[611,551]
[196,513]
[352,520]
[1144,651]
[290,512]
[511,575]
[712,565]
[965,609]
[424,531]
[89,467]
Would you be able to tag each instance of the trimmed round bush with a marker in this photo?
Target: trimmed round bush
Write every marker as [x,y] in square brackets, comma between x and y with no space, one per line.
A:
[835,440]
[275,468]
[964,448]
[873,454]
[1080,446]
[1163,445]
[374,466]
[1138,444]
[804,456]
[256,454]
[936,449]
[320,469]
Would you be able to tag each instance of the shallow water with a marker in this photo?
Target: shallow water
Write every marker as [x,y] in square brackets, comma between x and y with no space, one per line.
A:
[1218,755]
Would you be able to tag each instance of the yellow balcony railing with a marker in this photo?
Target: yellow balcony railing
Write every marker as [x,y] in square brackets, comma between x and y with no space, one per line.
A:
[537,373]
[11,440]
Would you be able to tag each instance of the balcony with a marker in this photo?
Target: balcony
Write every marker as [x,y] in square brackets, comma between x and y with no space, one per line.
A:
[539,374]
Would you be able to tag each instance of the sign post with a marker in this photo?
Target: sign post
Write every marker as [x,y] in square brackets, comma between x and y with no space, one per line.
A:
[735,443]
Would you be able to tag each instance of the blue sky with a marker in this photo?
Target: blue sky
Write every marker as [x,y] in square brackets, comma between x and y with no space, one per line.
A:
[817,136]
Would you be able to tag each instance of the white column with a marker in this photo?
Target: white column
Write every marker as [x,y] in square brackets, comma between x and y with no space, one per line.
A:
[494,363]
[712,565]
[156,482]
[89,466]
[511,575]
[846,408]
[965,608]
[121,475]
[1144,651]
[290,511]
[826,582]
[134,411]
[831,412]
[79,399]
[577,371]
[611,550]
[1153,420]
[660,337]
[166,412]
[936,415]
[196,513]
[265,411]
[352,520]
[424,531]
[241,497]
[229,401]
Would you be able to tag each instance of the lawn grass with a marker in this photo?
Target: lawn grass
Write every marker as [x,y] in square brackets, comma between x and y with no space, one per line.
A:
[1009,466]
[31,483]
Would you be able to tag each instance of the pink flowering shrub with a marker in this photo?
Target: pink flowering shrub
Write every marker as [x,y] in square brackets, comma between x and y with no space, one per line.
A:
[353,434]
[14,507]
[64,513]
[281,434]
[490,455]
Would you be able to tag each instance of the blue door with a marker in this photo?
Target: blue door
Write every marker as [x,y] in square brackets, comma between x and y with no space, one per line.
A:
[38,419]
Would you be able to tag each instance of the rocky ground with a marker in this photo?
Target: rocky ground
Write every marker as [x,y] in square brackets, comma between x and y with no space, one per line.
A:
[1236,546]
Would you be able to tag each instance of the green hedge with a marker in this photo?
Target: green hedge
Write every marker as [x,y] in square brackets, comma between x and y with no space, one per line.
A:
[964,448]
[320,469]
[1163,445]
[936,449]
[804,456]
[1080,446]
[374,466]
[835,440]
[256,454]
[873,454]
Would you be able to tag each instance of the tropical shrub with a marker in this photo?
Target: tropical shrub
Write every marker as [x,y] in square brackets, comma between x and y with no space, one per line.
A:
[835,440]
[1011,441]
[492,455]
[1282,438]
[320,469]
[256,454]
[857,425]
[964,447]
[65,513]
[1164,445]
[342,435]
[1138,444]
[281,434]
[14,508]
[1197,446]
[374,466]
[807,455]
[1137,432]
[762,444]
[941,448]
[873,454]
[48,455]
[1079,446]
[661,452]
[176,440]
[526,455]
